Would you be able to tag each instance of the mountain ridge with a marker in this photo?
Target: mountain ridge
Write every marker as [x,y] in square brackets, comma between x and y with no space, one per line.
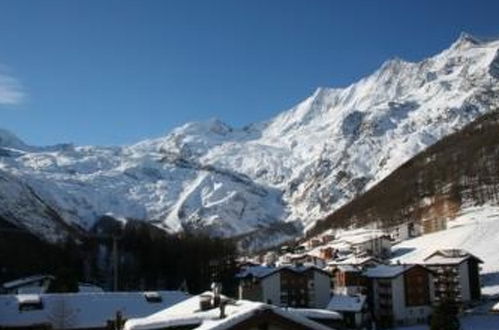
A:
[292,169]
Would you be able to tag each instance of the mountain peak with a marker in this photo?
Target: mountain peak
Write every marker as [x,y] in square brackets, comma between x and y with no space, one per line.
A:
[465,40]
[10,140]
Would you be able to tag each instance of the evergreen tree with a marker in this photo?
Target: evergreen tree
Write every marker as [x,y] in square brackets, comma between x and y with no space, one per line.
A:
[445,316]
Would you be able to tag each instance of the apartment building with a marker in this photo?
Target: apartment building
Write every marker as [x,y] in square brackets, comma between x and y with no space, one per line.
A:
[286,286]
[457,275]
[400,295]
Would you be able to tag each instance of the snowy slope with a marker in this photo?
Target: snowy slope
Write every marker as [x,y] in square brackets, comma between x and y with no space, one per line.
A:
[296,167]
[475,230]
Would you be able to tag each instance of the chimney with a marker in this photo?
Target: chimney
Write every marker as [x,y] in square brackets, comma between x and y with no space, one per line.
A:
[216,288]
[205,302]
[223,302]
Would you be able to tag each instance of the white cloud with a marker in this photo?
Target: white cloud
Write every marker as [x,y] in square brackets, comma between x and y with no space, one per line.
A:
[11,90]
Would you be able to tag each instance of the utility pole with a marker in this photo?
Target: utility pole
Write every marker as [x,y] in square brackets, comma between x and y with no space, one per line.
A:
[115,263]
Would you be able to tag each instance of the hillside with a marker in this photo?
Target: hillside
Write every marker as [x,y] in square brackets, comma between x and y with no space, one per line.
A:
[476,230]
[263,183]
[460,171]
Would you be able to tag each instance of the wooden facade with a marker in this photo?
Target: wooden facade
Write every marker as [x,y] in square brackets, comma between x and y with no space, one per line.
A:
[417,287]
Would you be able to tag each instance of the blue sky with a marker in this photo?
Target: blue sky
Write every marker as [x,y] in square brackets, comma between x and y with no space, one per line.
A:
[113,72]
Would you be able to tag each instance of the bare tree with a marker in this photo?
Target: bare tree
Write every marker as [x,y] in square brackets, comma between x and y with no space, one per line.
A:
[61,315]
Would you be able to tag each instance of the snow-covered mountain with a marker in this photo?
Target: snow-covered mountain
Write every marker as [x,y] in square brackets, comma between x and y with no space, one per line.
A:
[267,181]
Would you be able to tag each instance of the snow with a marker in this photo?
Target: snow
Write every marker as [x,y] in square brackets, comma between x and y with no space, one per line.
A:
[263,271]
[28,299]
[316,314]
[344,303]
[446,260]
[386,271]
[84,310]
[25,280]
[188,313]
[475,230]
[469,322]
[256,271]
[294,168]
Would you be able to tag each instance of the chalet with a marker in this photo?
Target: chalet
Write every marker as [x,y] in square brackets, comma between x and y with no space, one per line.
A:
[327,253]
[201,312]
[353,309]
[270,258]
[400,294]
[327,237]
[286,286]
[81,310]
[313,243]
[456,275]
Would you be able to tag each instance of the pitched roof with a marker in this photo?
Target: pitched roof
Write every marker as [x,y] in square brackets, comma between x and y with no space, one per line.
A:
[87,310]
[316,314]
[389,271]
[26,280]
[449,257]
[189,313]
[264,271]
[346,303]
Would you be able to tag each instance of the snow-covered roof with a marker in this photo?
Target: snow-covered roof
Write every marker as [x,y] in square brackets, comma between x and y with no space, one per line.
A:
[348,268]
[316,314]
[188,313]
[26,280]
[354,260]
[449,257]
[85,310]
[256,271]
[264,271]
[495,308]
[28,299]
[387,271]
[346,303]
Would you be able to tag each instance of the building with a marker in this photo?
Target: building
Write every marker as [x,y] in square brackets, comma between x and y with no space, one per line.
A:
[457,275]
[81,310]
[404,231]
[353,309]
[374,243]
[286,286]
[31,284]
[434,224]
[201,312]
[305,259]
[348,280]
[327,253]
[400,295]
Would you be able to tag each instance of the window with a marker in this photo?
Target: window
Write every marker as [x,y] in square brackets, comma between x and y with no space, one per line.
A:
[30,306]
[30,303]
[153,297]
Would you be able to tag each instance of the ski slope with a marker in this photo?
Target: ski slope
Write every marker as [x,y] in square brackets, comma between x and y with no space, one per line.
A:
[475,230]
